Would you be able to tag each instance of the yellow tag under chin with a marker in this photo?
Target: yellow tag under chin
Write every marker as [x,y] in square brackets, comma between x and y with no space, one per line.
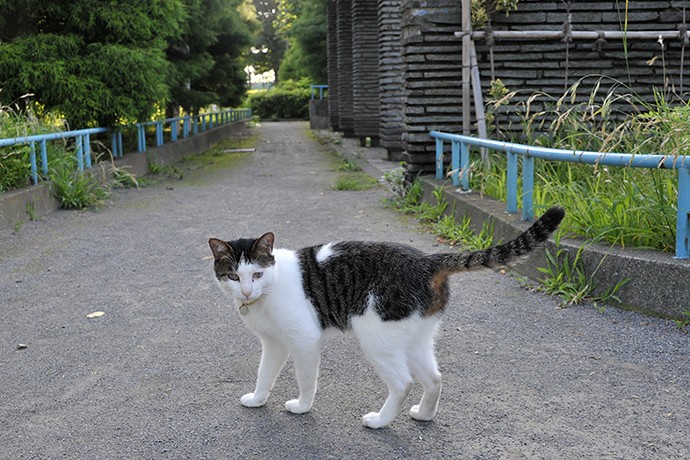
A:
[244,310]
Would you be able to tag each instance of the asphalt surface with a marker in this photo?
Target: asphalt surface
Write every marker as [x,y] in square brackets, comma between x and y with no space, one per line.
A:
[160,374]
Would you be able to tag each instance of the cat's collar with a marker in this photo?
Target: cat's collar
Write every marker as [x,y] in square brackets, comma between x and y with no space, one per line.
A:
[243,306]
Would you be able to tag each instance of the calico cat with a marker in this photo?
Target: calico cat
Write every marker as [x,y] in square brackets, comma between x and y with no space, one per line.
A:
[390,296]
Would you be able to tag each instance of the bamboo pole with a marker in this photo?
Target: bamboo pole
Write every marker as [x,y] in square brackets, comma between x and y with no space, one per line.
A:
[466,43]
[478,100]
[575,35]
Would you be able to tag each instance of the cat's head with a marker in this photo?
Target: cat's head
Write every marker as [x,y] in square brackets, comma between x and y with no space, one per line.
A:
[244,268]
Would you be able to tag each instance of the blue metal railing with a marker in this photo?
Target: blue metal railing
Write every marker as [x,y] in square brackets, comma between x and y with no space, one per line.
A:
[82,140]
[320,88]
[190,125]
[460,158]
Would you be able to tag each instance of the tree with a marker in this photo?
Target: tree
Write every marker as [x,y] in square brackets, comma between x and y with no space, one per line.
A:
[305,25]
[95,61]
[268,48]
[102,62]
[208,63]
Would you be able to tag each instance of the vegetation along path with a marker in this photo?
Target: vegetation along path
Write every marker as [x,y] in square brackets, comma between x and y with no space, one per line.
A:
[160,373]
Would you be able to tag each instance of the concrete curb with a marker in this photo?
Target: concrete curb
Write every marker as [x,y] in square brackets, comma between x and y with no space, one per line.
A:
[37,201]
[658,284]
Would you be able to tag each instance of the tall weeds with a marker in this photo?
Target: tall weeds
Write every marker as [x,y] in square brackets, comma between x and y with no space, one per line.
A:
[625,206]
[15,167]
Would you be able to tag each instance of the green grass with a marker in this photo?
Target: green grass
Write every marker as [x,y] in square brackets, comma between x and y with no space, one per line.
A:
[564,276]
[462,234]
[354,181]
[629,207]
[77,189]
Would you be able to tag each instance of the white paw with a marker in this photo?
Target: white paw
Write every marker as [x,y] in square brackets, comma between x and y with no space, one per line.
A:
[415,414]
[373,420]
[249,400]
[296,408]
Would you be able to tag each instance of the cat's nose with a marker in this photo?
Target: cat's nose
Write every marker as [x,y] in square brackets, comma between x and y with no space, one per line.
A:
[246,292]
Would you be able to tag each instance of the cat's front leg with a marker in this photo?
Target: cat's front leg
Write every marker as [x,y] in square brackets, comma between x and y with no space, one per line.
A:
[273,356]
[306,363]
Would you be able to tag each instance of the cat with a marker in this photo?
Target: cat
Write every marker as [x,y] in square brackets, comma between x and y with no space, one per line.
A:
[390,296]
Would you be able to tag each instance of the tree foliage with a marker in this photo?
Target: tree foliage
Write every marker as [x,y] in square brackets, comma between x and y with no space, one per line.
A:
[304,23]
[269,47]
[207,58]
[100,62]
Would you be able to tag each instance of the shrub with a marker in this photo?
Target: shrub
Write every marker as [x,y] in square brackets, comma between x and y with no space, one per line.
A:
[287,100]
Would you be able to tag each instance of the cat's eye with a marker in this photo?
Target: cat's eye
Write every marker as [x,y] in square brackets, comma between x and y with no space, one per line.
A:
[257,275]
[233,276]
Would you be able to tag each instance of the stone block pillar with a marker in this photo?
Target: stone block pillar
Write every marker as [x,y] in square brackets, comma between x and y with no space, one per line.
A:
[432,63]
[344,33]
[365,70]
[390,78]
[332,62]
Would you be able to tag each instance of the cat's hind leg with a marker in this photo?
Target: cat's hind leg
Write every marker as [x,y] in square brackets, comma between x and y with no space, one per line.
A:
[424,367]
[381,345]
[273,356]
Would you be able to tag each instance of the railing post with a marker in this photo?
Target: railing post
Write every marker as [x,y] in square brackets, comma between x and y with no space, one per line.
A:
[174,128]
[44,157]
[86,142]
[511,183]
[527,187]
[465,166]
[32,158]
[141,138]
[159,134]
[455,161]
[439,158]
[80,153]
[683,220]
[113,143]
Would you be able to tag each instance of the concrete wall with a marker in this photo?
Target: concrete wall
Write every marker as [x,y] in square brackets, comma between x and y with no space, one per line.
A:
[658,284]
[318,114]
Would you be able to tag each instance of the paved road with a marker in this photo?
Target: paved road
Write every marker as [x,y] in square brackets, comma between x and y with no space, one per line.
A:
[161,373]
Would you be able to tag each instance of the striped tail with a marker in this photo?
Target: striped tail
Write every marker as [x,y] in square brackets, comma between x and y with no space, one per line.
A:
[504,253]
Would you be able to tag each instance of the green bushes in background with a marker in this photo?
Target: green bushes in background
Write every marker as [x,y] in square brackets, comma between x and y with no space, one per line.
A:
[289,99]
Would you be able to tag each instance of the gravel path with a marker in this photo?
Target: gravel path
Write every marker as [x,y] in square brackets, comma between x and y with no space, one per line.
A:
[161,373]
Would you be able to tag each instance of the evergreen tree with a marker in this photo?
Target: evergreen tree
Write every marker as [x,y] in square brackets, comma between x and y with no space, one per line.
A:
[97,62]
[208,57]
[305,25]
[103,62]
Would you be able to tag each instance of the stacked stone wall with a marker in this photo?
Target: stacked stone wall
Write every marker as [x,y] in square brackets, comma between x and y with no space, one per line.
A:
[432,73]
[390,78]
[344,33]
[635,67]
[365,70]
[332,62]
[419,64]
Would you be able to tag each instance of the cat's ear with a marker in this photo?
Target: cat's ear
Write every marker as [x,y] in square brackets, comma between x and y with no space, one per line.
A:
[219,248]
[264,243]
